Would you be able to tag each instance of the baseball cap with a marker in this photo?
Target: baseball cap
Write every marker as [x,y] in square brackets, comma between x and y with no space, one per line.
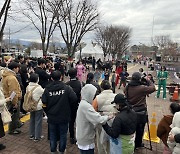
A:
[136,76]
[119,99]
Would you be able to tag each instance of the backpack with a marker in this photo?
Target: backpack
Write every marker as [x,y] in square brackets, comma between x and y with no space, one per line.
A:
[30,104]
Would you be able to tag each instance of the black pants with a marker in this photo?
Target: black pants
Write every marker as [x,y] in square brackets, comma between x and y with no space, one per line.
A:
[71,123]
[21,105]
[113,87]
[141,122]
[1,128]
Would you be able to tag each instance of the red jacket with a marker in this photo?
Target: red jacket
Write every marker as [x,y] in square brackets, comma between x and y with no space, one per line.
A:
[119,70]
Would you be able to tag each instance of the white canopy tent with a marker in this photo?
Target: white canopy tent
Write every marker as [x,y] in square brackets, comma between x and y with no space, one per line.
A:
[90,50]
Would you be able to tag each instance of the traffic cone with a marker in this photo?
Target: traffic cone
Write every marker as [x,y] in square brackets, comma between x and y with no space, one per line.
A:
[175,96]
[152,131]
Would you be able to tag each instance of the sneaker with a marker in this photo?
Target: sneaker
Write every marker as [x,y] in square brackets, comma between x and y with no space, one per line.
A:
[42,137]
[164,98]
[45,117]
[139,147]
[22,123]
[31,137]
[38,139]
[15,132]
[2,147]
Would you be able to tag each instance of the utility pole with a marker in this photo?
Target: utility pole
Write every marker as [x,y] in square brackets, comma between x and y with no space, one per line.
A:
[9,40]
[152,41]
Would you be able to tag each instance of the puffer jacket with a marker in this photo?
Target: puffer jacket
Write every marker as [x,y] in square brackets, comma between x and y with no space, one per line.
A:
[124,124]
[36,94]
[10,84]
[104,102]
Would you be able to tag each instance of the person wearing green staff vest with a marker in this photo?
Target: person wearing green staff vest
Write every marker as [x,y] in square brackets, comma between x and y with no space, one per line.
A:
[162,76]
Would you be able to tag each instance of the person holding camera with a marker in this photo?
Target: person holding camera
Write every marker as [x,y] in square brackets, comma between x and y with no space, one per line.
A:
[136,93]
[11,84]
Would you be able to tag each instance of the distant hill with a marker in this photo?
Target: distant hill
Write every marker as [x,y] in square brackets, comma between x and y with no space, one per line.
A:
[27,43]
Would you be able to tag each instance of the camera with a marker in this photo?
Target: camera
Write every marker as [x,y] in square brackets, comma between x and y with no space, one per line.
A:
[12,109]
[144,81]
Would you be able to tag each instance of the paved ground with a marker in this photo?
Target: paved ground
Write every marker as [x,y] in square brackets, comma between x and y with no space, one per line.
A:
[21,144]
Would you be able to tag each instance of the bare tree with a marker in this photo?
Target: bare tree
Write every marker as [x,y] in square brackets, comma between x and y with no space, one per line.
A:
[162,41]
[37,11]
[75,19]
[3,15]
[166,45]
[103,38]
[114,39]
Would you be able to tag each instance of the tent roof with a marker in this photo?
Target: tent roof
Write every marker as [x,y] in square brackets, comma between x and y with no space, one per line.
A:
[98,49]
[89,49]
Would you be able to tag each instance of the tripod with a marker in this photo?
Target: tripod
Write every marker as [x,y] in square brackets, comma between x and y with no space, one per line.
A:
[150,148]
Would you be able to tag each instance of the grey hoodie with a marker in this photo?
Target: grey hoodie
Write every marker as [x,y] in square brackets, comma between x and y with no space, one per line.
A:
[87,118]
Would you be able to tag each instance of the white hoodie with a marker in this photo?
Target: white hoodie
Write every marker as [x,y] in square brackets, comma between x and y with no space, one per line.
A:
[87,118]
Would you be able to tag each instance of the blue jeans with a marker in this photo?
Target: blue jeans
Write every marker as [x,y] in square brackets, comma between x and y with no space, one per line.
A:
[90,151]
[58,132]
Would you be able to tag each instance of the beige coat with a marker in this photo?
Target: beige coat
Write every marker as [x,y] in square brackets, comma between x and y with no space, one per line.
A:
[2,100]
[10,84]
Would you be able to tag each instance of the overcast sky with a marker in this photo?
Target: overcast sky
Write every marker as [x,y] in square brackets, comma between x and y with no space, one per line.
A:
[137,14]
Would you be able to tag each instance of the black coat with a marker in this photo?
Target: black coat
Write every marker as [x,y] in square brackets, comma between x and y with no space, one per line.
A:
[1,127]
[58,98]
[124,123]
[76,86]
[43,77]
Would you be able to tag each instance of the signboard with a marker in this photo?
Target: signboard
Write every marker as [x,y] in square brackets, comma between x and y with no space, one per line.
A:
[168,68]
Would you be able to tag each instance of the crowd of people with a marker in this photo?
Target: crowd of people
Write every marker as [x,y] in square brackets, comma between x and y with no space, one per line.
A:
[117,120]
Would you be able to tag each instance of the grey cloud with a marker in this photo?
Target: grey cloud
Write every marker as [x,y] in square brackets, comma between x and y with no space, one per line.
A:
[137,14]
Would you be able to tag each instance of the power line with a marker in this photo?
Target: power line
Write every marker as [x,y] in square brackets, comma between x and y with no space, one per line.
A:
[20,29]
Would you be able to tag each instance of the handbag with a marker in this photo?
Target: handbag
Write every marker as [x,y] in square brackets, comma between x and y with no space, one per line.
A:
[6,115]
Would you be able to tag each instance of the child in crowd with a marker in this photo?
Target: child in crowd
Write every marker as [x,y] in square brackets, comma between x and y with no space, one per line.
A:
[106,74]
[97,75]
[123,77]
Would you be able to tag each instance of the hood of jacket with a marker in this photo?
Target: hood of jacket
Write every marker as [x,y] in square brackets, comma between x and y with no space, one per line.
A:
[168,119]
[32,84]
[88,92]
[8,72]
[55,85]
